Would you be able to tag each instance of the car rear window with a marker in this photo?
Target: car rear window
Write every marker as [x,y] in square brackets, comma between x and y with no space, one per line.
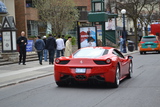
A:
[149,39]
[90,53]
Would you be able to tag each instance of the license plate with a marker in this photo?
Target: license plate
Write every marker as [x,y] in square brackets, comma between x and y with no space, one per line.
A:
[149,45]
[80,70]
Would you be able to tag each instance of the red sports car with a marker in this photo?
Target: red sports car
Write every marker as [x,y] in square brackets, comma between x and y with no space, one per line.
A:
[102,64]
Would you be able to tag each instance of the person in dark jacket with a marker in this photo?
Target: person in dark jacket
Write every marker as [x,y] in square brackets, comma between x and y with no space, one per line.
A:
[39,45]
[64,39]
[22,42]
[51,47]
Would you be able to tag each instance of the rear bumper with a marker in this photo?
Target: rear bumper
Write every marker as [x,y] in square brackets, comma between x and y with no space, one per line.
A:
[149,49]
[102,74]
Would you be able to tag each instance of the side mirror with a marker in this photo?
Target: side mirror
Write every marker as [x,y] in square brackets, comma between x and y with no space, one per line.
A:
[130,57]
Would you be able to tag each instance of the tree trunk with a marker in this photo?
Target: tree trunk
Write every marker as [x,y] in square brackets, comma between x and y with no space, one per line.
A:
[135,32]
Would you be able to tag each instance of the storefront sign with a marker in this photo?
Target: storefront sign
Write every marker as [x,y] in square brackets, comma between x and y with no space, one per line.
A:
[29,47]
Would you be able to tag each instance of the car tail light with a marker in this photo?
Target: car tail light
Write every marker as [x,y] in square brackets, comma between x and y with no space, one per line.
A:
[108,61]
[104,62]
[57,61]
[155,41]
[142,42]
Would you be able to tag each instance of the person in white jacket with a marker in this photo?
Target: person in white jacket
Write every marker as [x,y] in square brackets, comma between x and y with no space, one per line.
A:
[60,47]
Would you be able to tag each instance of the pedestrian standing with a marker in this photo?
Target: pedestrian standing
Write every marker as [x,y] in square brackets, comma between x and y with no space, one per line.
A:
[60,47]
[39,46]
[55,37]
[64,42]
[51,47]
[121,43]
[68,48]
[45,51]
[22,42]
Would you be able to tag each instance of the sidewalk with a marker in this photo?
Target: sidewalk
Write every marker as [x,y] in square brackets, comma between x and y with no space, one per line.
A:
[13,73]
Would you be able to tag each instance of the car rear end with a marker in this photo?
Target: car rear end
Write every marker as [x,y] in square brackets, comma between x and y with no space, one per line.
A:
[149,43]
[85,68]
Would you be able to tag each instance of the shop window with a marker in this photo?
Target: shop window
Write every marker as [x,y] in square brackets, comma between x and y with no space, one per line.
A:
[29,4]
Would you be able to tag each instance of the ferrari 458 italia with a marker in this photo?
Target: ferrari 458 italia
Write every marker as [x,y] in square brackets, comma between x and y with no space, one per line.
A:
[101,64]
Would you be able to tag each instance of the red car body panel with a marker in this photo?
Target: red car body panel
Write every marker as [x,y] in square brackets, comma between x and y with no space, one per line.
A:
[106,71]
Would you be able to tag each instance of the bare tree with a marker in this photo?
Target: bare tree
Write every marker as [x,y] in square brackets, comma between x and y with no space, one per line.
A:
[61,14]
[148,14]
[134,9]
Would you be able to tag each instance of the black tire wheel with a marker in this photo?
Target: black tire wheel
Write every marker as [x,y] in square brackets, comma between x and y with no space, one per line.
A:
[62,83]
[117,78]
[130,70]
[141,52]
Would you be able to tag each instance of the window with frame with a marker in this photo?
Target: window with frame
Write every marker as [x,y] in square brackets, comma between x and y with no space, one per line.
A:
[82,8]
[29,3]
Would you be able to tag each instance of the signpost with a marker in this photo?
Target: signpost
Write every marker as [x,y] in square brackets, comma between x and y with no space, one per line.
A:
[8,32]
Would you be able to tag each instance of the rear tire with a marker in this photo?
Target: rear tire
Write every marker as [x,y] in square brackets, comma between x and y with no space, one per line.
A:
[130,70]
[141,52]
[117,78]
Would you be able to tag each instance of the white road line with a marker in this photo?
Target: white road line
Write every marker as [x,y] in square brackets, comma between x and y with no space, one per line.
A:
[23,71]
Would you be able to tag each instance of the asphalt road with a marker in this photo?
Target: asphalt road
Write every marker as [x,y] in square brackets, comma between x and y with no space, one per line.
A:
[143,90]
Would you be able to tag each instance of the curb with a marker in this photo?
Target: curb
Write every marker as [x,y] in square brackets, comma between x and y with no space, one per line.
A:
[131,53]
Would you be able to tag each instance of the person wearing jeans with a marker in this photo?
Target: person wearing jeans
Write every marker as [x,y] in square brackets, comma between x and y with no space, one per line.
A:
[60,47]
[40,55]
[51,47]
[39,46]
[45,51]
[51,56]
[45,54]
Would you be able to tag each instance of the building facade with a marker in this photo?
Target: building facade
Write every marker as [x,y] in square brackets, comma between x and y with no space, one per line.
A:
[26,17]
[10,4]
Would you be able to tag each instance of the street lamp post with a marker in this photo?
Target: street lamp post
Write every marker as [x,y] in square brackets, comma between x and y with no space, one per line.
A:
[123,11]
